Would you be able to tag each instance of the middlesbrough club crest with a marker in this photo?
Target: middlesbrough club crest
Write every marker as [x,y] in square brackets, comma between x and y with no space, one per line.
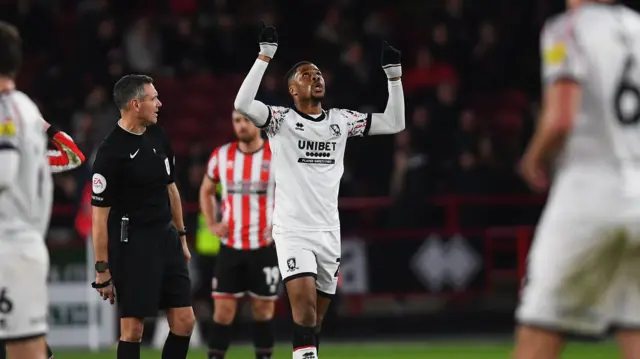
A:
[292,265]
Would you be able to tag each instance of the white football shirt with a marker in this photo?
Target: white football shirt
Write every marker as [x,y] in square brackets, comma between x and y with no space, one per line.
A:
[25,204]
[597,46]
[308,163]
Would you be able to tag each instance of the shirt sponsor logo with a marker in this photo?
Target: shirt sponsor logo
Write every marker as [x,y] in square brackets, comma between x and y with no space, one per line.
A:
[317,152]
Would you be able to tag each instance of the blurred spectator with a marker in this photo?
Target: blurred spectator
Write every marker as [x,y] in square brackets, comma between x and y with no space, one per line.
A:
[328,31]
[427,72]
[487,64]
[143,46]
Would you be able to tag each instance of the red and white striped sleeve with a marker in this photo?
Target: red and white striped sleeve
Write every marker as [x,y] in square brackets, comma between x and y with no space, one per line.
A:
[213,167]
[67,155]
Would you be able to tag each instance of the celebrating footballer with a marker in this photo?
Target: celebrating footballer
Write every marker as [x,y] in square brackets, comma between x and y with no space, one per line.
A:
[308,144]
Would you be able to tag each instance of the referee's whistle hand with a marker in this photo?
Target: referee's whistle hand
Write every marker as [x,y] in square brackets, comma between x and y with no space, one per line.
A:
[106,292]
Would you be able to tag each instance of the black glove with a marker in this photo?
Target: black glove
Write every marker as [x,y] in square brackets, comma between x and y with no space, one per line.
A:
[391,60]
[268,40]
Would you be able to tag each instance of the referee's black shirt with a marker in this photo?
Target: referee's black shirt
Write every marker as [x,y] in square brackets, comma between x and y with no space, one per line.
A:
[131,173]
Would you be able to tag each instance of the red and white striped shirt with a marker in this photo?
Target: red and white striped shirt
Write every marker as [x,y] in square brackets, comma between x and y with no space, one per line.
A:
[247,193]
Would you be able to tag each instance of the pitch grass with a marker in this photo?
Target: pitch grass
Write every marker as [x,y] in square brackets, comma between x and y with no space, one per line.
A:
[387,350]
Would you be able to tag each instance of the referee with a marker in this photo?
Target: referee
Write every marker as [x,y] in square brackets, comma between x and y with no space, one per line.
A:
[138,250]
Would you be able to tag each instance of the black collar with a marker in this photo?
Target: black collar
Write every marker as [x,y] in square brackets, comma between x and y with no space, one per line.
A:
[322,116]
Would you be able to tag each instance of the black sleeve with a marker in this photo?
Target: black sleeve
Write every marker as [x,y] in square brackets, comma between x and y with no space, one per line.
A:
[171,157]
[104,178]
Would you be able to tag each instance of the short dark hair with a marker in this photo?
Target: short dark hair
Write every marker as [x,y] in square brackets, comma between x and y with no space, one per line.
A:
[128,88]
[10,49]
[292,71]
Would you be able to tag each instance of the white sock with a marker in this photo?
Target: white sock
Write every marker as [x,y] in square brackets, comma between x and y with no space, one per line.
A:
[305,353]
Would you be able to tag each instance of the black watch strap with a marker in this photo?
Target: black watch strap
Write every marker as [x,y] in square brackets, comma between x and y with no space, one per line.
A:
[101,266]
[182,232]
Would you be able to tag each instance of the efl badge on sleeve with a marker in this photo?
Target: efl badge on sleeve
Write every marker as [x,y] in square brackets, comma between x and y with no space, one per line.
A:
[166,164]
[556,54]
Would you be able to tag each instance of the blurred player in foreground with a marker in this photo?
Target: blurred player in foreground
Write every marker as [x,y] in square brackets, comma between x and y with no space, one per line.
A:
[247,262]
[65,157]
[584,266]
[26,195]
[308,145]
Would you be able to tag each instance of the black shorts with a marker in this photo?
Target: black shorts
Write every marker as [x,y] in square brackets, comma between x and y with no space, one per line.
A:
[247,271]
[204,266]
[149,271]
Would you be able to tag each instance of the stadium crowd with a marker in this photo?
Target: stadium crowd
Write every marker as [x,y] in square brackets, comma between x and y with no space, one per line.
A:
[471,79]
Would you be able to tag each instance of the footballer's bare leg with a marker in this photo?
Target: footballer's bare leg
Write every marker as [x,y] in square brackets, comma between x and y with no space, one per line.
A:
[537,343]
[263,310]
[131,330]
[32,348]
[181,322]
[303,299]
[629,342]
[323,302]
[3,352]
[224,312]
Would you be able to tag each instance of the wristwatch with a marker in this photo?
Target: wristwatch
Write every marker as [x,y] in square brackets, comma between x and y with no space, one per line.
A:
[101,266]
[183,232]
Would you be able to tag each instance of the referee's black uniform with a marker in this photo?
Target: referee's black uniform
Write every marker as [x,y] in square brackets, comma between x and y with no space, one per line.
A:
[146,260]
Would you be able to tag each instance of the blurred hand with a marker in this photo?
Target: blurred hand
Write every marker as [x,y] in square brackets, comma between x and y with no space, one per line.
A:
[267,235]
[533,173]
[220,229]
[185,249]
[106,292]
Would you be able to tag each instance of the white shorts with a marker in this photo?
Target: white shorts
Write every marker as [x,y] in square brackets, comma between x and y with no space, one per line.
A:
[307,253]
[24,266]
[584,266]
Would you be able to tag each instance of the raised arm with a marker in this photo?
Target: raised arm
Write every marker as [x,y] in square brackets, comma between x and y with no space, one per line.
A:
[392,120]
[245,102]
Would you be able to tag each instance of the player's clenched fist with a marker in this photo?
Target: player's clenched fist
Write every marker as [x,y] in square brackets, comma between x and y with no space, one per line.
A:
[391,61]
[268,41]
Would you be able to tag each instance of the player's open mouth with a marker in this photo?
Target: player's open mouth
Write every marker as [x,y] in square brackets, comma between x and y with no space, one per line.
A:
[318,87]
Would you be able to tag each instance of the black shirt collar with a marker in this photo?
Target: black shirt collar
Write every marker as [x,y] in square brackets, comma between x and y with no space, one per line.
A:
[322,116]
